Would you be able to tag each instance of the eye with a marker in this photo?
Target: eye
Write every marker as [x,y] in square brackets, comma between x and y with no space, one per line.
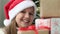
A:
[31,14]
[23,12]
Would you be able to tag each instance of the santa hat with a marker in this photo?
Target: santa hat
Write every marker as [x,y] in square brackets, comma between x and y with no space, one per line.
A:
[14,7]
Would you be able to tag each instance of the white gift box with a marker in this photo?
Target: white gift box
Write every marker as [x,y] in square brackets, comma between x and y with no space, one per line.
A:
[42,22]
[55,25]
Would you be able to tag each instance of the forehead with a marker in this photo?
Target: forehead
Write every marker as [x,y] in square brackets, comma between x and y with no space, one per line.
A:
[29,9]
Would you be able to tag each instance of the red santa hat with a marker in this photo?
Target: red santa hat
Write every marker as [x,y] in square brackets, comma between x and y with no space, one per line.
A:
[14,7]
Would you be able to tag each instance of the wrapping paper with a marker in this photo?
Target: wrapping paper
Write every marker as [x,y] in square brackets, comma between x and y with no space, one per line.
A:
[42,22]
[55,25]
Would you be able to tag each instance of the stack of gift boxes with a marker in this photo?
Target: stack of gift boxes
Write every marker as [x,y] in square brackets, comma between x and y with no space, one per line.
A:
[49,22]
[50,12]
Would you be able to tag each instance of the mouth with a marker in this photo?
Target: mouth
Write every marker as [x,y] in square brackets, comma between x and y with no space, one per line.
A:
[26,21]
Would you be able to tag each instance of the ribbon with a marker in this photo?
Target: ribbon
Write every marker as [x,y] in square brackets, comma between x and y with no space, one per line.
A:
[44,27]
[32,27]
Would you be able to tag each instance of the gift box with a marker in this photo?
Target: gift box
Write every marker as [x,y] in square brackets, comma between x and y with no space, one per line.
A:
[32,32]
[55,25]
[42,26]
[27,30]
[43,31]
[42,22]
[49,8]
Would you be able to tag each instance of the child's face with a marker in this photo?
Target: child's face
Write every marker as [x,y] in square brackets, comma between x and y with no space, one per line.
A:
[25,17]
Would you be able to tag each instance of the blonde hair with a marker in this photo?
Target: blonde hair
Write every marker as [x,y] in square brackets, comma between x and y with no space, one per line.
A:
[11,29]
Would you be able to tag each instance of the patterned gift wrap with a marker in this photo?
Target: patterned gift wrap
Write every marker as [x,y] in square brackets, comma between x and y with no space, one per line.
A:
[55,25]
[42,22]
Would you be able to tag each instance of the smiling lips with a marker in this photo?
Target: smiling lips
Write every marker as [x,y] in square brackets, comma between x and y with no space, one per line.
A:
[26,21]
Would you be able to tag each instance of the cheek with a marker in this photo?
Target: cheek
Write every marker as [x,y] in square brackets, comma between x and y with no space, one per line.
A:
[31,19]
[18,18]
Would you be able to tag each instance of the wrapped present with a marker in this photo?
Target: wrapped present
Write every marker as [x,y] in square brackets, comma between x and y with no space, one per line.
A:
[49,8]
[55,25]
[43,25]
[27,30]
[43,30]
[42,22]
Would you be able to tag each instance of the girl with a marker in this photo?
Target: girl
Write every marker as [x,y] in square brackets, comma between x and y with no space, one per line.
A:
[19,13]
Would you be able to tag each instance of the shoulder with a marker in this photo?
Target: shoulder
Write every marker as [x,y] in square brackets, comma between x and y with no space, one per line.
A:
[2,31]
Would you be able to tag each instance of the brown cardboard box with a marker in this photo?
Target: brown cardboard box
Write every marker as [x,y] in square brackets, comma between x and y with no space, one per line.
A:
[43,31]
[49,8]
[26,32]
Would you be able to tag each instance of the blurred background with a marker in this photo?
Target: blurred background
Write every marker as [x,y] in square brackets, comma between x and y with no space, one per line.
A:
[3,2]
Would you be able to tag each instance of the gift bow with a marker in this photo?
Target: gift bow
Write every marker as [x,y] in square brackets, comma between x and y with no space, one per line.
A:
[32,27]
[44,27]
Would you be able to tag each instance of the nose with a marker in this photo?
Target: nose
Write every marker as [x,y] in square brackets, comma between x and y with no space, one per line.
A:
[26,15]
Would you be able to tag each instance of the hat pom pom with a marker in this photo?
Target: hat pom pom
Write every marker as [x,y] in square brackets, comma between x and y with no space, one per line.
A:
[6,22]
